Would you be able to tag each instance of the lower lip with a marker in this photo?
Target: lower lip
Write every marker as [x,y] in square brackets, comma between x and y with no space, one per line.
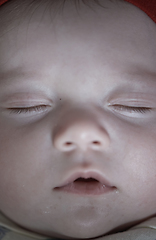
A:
[85,188]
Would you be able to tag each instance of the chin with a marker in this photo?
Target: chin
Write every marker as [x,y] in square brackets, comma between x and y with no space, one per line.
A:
[83,233]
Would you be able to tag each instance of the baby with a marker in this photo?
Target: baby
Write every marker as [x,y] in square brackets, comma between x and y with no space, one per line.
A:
[77,119]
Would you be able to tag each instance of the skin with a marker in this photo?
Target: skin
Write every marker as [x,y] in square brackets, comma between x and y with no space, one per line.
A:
[81,65]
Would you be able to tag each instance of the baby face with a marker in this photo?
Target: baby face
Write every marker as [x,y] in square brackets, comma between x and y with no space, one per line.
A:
[77,118]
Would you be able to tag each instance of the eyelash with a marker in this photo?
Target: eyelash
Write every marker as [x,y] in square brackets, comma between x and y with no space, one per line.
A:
[141,110]
[28,109]
[39,108]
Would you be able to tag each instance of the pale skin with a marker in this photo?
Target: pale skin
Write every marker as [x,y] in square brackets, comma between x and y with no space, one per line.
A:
[83,67]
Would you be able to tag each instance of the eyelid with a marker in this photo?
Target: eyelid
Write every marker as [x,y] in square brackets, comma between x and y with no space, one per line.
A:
[134,99]
[32,109]
[131,108]
[133,112]
[26,103]
[132,103]
[26,99]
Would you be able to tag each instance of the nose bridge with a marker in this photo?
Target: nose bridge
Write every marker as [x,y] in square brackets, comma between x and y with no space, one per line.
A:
[80,129]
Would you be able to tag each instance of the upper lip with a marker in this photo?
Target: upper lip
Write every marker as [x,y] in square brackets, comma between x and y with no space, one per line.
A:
[89,174]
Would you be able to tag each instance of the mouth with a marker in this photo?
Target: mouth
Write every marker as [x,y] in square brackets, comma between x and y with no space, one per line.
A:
[86,184]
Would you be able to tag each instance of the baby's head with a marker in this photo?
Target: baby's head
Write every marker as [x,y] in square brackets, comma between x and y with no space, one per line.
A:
[77,116]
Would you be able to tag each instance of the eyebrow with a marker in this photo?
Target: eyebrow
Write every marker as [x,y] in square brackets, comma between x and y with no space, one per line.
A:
[141,75]
[15,73]
[10,87]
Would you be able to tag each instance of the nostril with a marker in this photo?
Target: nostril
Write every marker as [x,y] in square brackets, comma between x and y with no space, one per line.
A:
[68,143]
[71,145]
[68,146]
[96,142]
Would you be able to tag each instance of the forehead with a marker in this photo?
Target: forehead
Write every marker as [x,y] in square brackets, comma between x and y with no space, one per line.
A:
[42,35]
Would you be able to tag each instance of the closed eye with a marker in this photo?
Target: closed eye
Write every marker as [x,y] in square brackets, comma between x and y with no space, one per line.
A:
[39,108]
[132,109]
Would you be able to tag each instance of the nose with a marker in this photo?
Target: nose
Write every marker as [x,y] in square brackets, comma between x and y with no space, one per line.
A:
[82,135]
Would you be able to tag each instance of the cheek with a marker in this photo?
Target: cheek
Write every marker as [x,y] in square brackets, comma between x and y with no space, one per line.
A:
[143,159]
[139,166]
[24,163]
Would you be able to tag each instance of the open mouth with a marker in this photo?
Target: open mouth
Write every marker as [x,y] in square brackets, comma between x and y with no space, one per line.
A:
[86,180]
[87,186]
